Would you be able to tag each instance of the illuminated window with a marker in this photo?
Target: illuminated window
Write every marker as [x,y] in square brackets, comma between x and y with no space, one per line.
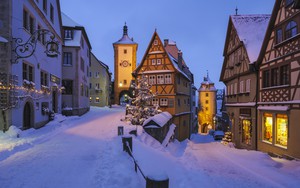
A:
[267,127]
[281,129]
[97,100]
[91,99]
[246,131]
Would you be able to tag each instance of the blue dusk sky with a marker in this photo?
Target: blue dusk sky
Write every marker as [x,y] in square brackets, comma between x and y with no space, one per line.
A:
[197,26]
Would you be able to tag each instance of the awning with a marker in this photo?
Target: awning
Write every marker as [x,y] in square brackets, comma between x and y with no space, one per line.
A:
[3,40]
[274,108]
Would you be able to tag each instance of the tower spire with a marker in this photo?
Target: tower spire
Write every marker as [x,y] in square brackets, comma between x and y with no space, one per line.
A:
[125,29]
[236,11]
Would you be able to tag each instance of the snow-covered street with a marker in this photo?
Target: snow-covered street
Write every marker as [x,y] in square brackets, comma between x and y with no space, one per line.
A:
[86,152]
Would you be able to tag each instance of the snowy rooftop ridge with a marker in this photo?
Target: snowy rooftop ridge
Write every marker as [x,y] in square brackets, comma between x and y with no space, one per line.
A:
[69,22]
[251,30]
[161,119]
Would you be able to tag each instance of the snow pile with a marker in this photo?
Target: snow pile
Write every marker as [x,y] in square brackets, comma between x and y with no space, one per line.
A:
[86,152]
[161,119]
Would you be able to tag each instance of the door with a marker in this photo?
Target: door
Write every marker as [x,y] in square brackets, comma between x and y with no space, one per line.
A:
[54,102]
[27,116]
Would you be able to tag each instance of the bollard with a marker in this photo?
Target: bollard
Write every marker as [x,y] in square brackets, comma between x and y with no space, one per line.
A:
[120,130]
[152,183]
[125,140]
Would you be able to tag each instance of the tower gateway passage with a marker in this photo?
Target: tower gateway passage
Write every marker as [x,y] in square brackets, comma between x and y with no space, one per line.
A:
[125,62]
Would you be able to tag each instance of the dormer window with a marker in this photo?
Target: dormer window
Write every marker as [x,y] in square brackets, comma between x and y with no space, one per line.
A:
[291,30]
[68,34]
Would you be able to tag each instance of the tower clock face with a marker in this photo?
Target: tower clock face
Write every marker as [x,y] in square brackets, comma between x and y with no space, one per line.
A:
[125,63]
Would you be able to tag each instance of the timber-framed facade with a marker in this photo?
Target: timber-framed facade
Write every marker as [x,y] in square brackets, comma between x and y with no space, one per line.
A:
[170,78]
[279,83]
[245,34]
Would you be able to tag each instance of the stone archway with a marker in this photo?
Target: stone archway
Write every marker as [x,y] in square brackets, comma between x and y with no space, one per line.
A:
[204,128]
[27,116]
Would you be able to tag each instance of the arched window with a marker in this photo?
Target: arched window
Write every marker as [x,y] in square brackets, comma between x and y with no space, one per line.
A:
[291,30]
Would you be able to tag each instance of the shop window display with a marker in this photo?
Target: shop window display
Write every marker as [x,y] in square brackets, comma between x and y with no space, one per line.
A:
[247,129]
[268,127]
[281,129]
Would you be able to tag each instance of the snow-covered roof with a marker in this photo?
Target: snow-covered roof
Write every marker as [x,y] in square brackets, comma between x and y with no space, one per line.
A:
[125,40]
[241,104]
[68,22]
[251,30]
[160,119]
[175,63]
[274,108]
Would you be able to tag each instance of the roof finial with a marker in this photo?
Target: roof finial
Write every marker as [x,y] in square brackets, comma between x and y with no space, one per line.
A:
[236,11]
[125,29]
[207,74]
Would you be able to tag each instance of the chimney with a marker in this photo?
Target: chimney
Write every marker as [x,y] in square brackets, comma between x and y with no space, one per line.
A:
[166,42]
[180,60]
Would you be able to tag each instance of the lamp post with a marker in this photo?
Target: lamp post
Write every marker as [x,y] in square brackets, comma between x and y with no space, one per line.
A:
[27,49]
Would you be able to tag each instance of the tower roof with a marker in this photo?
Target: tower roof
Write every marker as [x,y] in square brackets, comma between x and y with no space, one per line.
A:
[125,38]
[207,84]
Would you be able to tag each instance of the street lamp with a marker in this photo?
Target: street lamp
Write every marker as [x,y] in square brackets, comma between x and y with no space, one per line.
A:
[26,49]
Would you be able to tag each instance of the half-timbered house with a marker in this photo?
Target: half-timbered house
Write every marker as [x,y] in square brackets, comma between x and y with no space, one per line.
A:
[170,78]
[279,82]
[245,34]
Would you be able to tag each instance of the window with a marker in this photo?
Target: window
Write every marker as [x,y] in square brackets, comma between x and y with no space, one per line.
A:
[168,79]
[206,101]
[87,71]
[91,85]
[155,102]
[152,79]
[178,102]
[246,131]
[266,78]
[284,75]
[158,61]
[288,2]
[206,94]
[155,42]
[206,108]
[163,102]
[97,100]
[178,79]
[97,87]
[45,6]
[91,99]
[68,85]
[86,91]
[25,19]
[242,87]
[275,77]
[160,79]
[97,74]
[51,13]
[31,24]
[291,30]
[275,125]
[281,129]
[82,65]
[91,74]
[125,82]
[67,59]
[153,61]
[125,51]
[44,78]
[248,85]
[27,72]
[279,36]
[68,34]
[231,89]
[267,127]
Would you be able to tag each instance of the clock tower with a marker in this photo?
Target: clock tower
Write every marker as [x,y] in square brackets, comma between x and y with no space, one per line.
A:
[125,63]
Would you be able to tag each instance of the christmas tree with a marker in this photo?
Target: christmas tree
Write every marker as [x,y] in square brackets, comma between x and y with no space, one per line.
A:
[140,108]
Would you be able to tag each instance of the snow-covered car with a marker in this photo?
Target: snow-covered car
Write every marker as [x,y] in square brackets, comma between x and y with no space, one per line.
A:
[218,135]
